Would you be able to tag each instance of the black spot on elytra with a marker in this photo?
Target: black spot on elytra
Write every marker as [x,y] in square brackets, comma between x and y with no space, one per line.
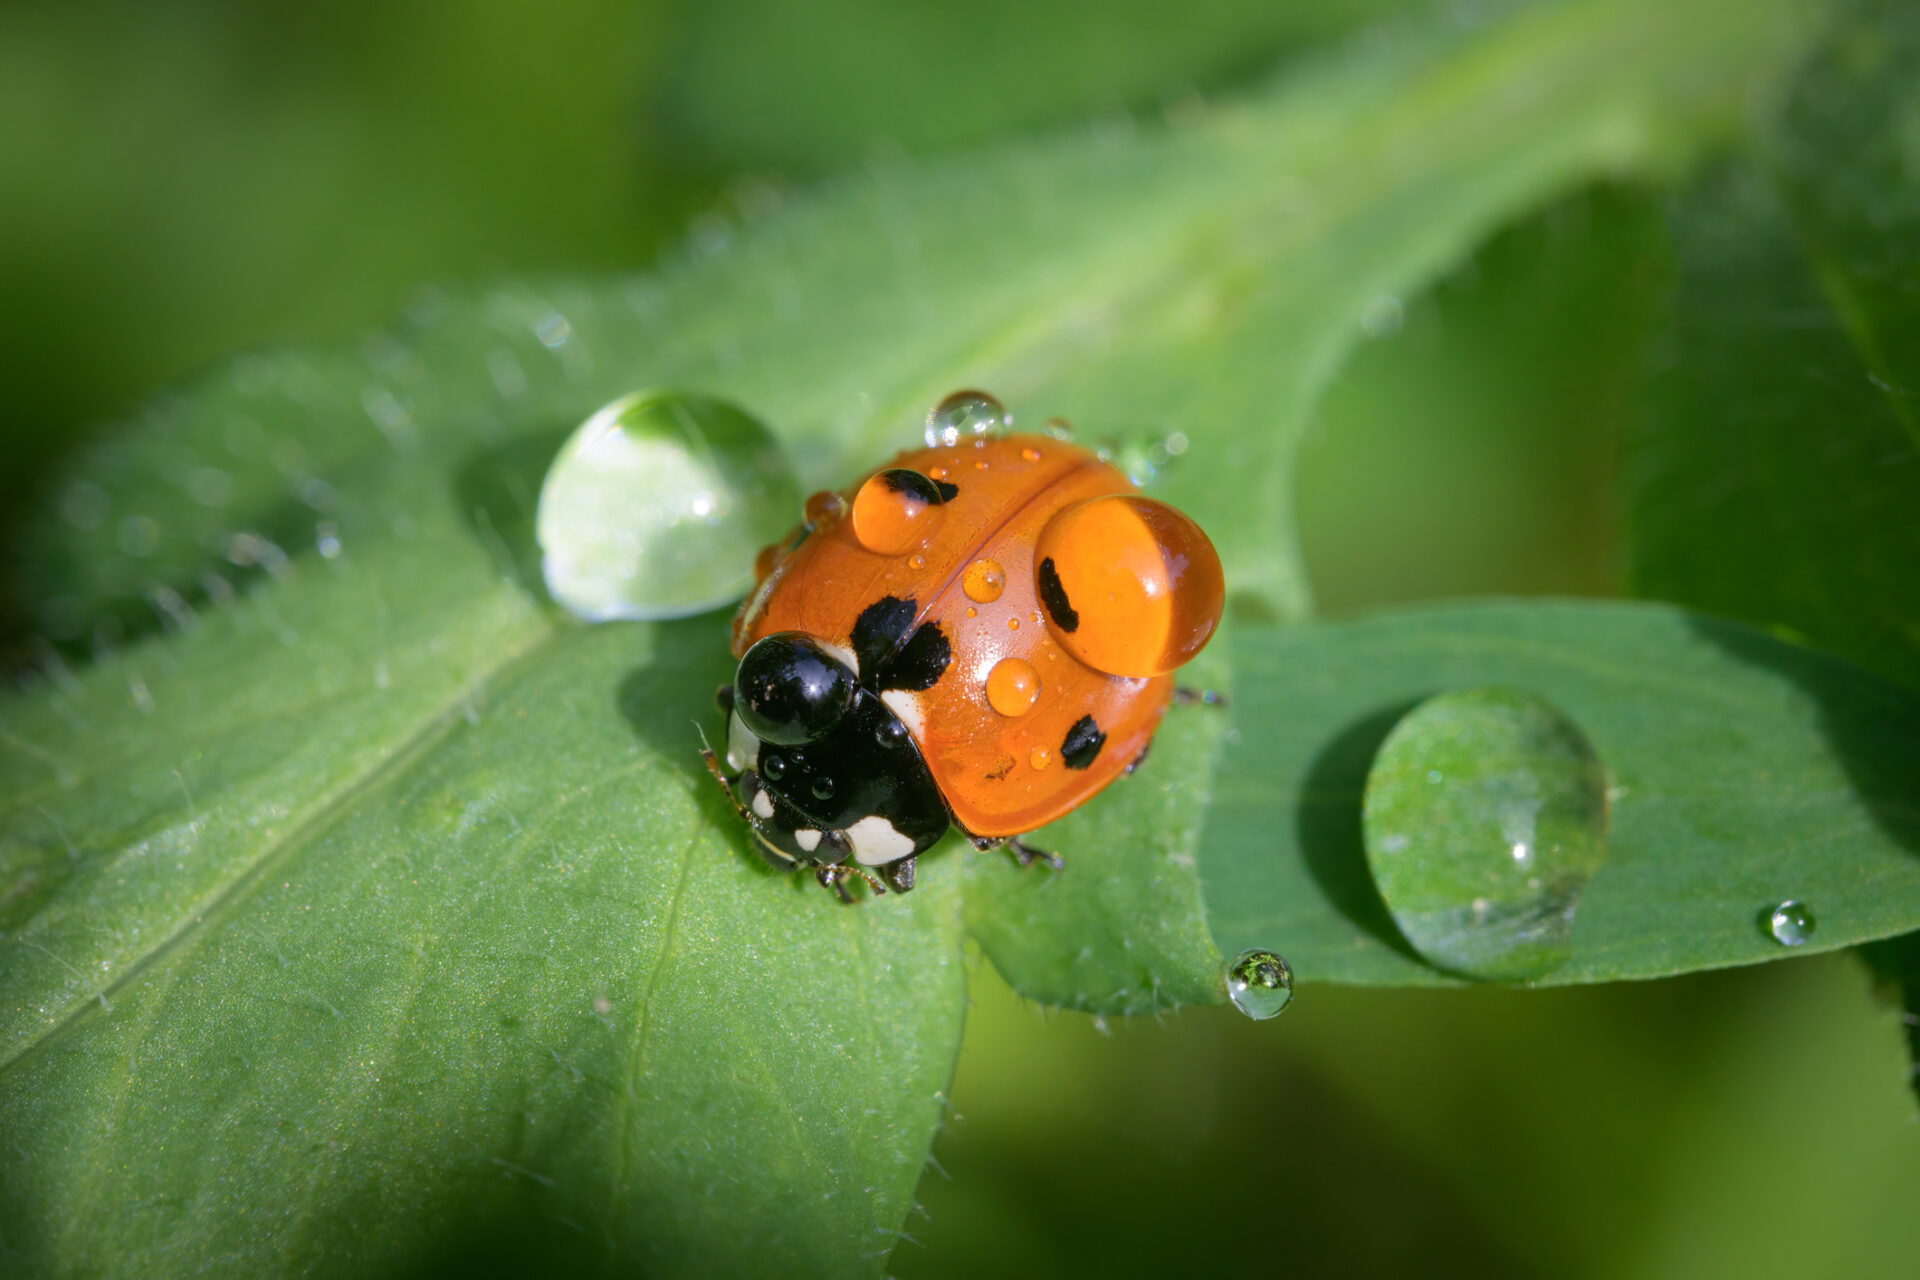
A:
[1054,596]
[948,492]
[926,488]
[921,661]
[1081,747]
[877,633]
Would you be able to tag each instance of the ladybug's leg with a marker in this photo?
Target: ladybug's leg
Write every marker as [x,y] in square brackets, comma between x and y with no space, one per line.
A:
[726,783]
[836,878]
[1140,759]
[1196,697]
[1025,854]
[900,874]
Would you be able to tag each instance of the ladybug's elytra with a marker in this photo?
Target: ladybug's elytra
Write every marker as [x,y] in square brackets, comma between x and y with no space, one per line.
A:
[980,633]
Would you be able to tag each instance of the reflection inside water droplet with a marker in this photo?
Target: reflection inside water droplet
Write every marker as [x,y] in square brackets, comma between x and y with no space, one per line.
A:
[1790,923]
[1260,984]
[1484,818]
[656,506]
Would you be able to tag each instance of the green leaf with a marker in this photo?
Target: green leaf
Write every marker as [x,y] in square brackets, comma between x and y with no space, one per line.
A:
[1776,472]
[861,75]
[311,909]
[1742,771]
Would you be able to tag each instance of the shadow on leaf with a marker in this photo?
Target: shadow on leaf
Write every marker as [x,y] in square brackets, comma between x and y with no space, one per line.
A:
[1328,827]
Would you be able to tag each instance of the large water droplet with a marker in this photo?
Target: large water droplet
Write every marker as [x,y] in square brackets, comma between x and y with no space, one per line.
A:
[1485,816]
[655,507]
[1791,923]
[1260,984]
[964,414]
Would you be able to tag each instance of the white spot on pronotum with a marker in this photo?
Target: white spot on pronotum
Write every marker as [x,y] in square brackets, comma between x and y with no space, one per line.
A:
[807,838]
[877,842]
[906,707]
[743,748]
[842,655]
[763,804]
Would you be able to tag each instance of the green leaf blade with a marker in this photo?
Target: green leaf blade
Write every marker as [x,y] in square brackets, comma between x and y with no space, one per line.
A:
[1743,771]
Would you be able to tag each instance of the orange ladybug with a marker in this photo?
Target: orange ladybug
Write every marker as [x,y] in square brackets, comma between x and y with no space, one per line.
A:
[979,634]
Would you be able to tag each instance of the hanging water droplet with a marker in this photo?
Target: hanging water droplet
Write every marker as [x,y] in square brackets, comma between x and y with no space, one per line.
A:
[964,414]
[656,506]
[1790,924]
[1260,984]
[1485,816]
[983,581]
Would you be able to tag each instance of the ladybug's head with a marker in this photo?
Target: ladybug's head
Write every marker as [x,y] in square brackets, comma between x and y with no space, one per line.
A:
[789,690]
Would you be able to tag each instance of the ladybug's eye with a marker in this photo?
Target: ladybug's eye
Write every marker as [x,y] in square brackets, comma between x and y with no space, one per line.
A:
[789,690]
[1131,586]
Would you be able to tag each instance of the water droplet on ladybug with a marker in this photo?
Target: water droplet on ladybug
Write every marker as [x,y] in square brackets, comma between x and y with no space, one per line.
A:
[984,581]
[655,507]
[1131,586]
[1030,453]
[1013,624]
[1013,686]
[964,414]
[916,562]
[773,766]
[822,788]
[824,509]
[1040,758]
[894,510]
[972,612]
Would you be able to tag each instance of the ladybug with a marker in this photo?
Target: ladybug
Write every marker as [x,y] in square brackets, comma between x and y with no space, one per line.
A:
[978,634]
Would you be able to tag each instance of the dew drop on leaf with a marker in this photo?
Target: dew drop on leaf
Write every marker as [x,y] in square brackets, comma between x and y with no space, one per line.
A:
[1790,923]
[1485,816]
[1260,984]
[656,506]
[965,414]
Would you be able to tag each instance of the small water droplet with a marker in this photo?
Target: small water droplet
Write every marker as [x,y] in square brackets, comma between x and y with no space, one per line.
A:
[895,509]
[822,788]
[553,330]
[984,580]
[773,765]
[916,562]
[1057,429]
[656,507]
[1013,624]
[1790,923]
[1485,816]
[1030,453]
[1040,757]
[1013,686]
[972,612]
[824,509]
[1382,316]
[1260,984]
[964,414]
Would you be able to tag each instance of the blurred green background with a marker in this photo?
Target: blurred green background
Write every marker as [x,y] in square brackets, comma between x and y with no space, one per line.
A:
[182,180]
